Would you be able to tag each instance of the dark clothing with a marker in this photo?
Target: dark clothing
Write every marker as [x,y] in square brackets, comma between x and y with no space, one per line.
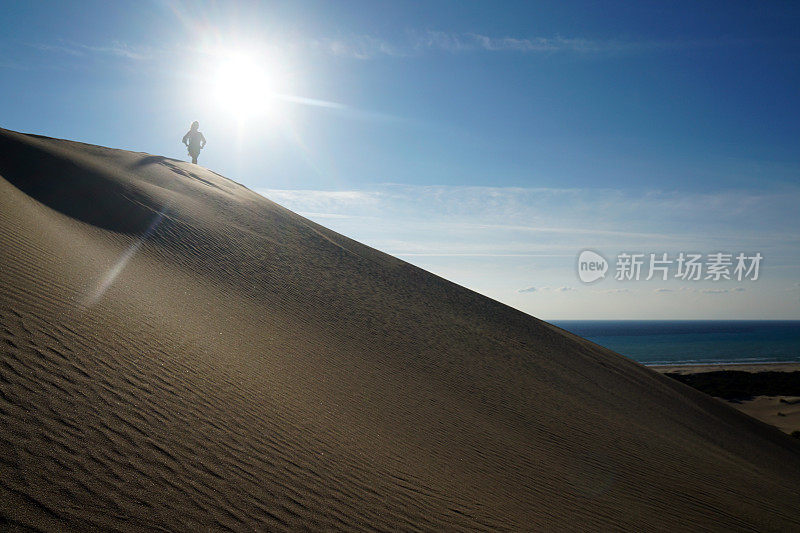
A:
[195,141]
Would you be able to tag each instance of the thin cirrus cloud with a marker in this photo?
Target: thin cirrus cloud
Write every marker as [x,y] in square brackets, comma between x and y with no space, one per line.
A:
[416,42]
[365,46]
[728,290]
[319,202]
[562,288]
[115,48]
[613,291]
[723,291]
[509,221]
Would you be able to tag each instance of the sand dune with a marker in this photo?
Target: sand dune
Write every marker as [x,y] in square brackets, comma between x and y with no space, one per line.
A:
[178,352]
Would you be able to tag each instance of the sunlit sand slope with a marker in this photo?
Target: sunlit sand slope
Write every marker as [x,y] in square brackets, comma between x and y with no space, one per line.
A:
[179,352]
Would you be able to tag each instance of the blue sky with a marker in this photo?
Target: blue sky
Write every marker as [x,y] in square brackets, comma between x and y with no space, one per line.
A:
[487,142]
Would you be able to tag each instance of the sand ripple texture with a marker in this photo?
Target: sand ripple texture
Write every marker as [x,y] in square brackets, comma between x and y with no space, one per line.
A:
[178,353]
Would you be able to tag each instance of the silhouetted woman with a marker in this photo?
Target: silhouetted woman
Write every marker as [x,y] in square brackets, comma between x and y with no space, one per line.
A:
[194,140]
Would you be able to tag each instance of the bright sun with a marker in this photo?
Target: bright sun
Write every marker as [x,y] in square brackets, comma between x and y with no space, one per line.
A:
[247,85]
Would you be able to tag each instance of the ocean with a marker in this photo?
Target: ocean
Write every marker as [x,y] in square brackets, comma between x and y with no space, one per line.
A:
[674,342]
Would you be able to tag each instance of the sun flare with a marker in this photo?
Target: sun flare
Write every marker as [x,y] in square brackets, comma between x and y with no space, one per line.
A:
[246,84]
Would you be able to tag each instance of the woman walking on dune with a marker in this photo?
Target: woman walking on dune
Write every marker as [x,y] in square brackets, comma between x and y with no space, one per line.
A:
[194,140]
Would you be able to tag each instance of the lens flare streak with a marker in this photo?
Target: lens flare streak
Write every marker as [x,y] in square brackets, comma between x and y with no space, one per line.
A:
[108,279]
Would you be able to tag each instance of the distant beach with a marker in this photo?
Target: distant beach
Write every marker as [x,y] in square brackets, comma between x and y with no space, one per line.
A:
[769,392]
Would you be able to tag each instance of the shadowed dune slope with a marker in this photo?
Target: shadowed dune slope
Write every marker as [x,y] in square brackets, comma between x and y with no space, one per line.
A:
[179,352]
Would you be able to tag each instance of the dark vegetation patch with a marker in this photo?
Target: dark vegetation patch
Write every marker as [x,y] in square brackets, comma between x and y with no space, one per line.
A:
[740,385]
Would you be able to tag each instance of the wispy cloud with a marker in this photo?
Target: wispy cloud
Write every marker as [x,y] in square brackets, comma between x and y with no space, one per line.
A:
[613,291]
[119,49]
[454,42]
[359,47]
[722,291]
[524,221]
[418,42]
[412,43]
[325,204]
[115,49]
[62,49]
[562,288]
[704,290]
